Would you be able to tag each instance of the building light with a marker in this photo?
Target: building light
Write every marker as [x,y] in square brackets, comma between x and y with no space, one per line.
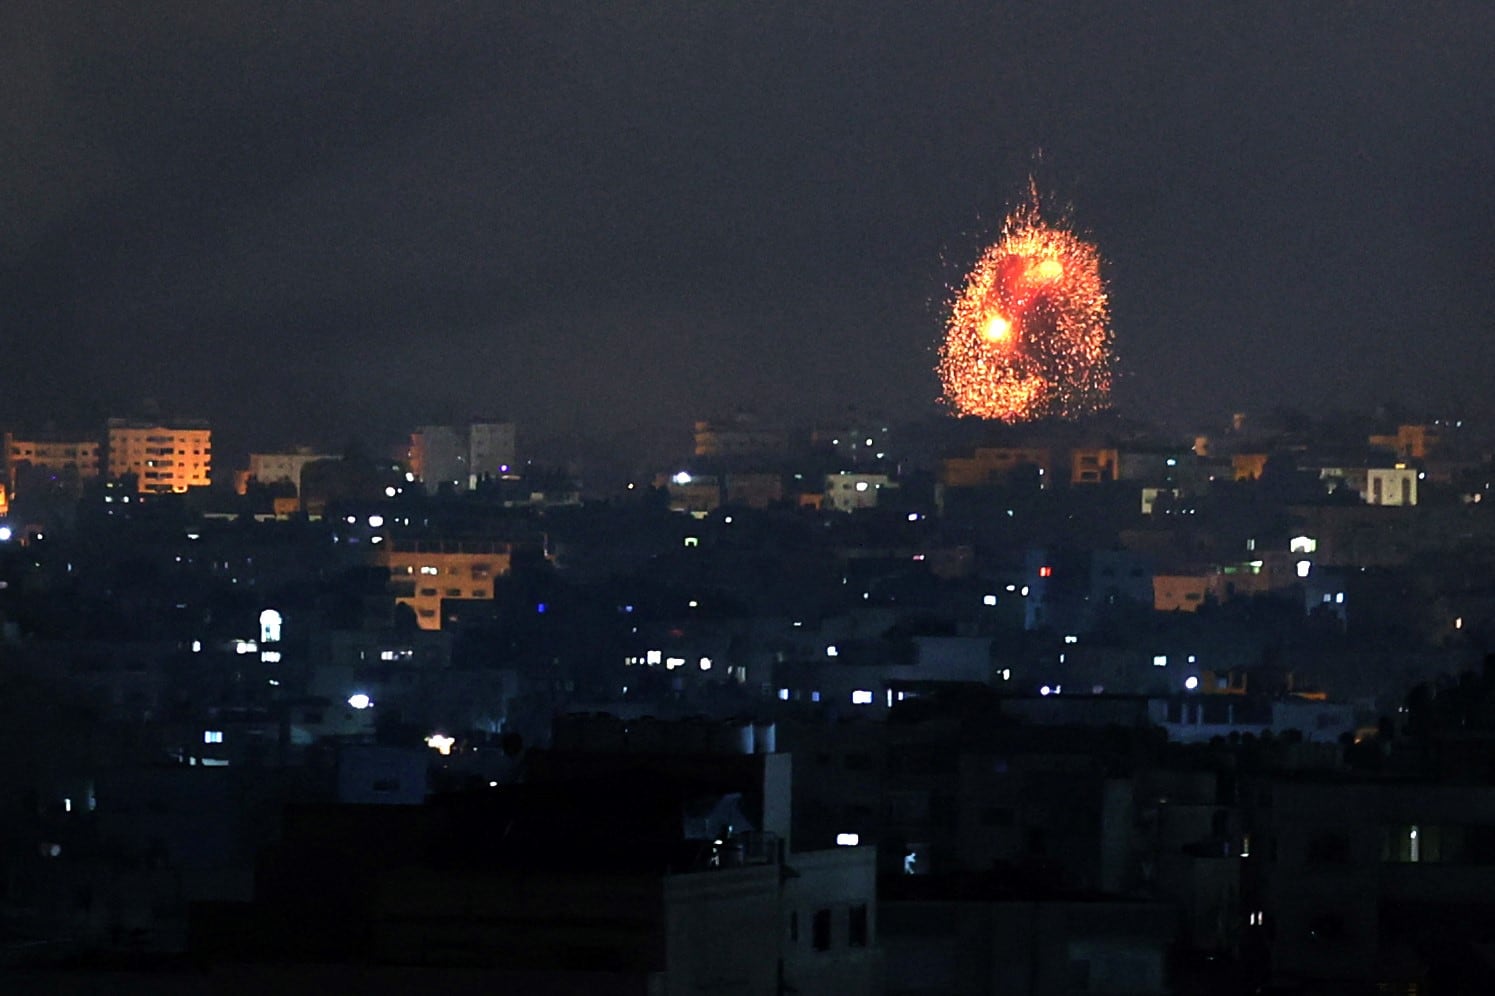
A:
[814,696]
[783,695]
[245,646]
[847,840]
[197,646]
[832,651]
[269,656]
[682,478]
[670,663]
[692,604]
[913,516]
[705,663]
[1071,639]
[1007,674]
[861,485]
[654,658]
[861,696]
[389,492]
[1458,623]
[1303,567]
[375,521]
[1024,591]
[1045,690]
[692,541]
[1160,660]
[441,743]
[540,608]
[1191,682]
[1045,571]
[358,700]
[212,736]
[988,599]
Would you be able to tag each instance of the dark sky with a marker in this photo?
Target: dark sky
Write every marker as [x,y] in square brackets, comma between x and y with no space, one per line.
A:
[333,219]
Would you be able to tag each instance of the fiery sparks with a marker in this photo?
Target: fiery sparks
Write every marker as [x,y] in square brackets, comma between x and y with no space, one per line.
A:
[1029,334]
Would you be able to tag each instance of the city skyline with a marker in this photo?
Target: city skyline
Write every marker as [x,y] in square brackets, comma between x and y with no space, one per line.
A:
[615,219]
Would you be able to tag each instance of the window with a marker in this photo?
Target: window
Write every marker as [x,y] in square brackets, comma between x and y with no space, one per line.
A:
[820,931]
[856,926]
[212,736]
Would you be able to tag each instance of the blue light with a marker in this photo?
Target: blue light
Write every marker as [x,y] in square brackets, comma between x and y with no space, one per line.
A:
[540,608]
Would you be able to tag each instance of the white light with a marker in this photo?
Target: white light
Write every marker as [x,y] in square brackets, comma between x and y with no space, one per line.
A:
[861,697]
[670,663]
[988,599]
[441,743]
[376,539]
[409,477]
[913,516]
[1339,598]
[847,840]
[212,736]
[245,646]
[1024,591]
[1458,623]
[351,520]
[197,646]
[681,478]
[1191,682]
[375,521]
[270,623]
[832,651]
[654,658]
[358,700]
[5,534]
[1045,690]
[814,696]
[1071,639]
[783,695]
[1303,567]
[727,520]
[861,485]
[693,604]
[1160,660]
[705,663]
[270,656]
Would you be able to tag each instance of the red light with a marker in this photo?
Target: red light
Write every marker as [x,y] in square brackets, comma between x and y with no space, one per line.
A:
[1045,572]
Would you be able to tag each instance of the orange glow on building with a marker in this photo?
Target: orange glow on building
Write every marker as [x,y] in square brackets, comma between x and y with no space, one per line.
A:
[163,457]
[422,573]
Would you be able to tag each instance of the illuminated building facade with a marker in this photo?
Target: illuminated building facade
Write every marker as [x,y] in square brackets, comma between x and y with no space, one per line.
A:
[164,457]
[423,572]
[50,452]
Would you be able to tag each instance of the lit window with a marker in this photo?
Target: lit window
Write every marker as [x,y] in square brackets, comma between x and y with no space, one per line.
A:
[654,658]
[861,697]
[783,695]
[1160,660]
[705,663]
[832,651]
[988,599]
[1191,682]
[848,840]
[1045,571]
[212,736]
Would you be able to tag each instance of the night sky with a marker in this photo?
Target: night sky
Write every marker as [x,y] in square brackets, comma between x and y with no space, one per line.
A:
[339,219]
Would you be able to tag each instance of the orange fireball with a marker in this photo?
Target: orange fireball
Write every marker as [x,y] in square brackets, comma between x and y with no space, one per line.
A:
[1029,335]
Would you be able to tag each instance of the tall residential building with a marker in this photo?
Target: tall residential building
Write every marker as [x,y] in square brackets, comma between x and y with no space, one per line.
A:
[65,453]
[163,456]
[461,455]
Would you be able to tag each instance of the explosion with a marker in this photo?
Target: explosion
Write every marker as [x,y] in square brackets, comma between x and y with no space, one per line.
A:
[1029,334]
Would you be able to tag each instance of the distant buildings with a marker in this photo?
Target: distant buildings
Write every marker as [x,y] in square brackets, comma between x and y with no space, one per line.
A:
[460,456]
